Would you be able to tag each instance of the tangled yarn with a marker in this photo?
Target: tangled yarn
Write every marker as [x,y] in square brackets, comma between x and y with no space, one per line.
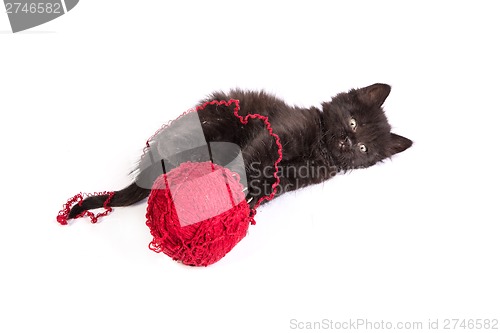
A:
[197,211]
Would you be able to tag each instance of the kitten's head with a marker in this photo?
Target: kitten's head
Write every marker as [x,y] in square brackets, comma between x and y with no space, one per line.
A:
[357,133]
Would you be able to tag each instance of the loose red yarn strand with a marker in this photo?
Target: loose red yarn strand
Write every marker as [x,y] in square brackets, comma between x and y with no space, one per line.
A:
[62,216]
[244,120]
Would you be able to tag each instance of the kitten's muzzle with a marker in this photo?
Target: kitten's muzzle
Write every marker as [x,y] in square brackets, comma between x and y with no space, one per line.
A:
[345,144]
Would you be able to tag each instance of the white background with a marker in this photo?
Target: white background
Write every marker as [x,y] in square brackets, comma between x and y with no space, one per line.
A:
[412,239]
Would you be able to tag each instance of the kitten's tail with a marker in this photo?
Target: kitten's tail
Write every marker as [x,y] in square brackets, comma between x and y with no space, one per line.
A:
[126,197]
[135,192]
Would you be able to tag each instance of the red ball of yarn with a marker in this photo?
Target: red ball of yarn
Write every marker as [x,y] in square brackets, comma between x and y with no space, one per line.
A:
[197,213]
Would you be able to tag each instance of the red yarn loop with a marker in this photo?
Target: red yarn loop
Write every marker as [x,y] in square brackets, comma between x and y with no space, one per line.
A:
[62,216]
[244,120]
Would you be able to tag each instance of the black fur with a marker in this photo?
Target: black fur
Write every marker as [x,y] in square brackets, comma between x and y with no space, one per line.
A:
[351,131]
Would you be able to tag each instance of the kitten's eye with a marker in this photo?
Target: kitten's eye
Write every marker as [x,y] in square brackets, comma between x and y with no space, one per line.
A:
[353,124]
[363,148]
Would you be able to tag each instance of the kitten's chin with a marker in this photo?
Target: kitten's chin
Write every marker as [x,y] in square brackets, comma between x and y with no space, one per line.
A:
[343,159]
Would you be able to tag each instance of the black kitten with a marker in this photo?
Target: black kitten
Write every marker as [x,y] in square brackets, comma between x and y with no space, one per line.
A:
[350,132]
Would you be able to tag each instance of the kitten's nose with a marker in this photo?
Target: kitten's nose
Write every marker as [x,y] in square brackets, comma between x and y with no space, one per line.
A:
[346,143]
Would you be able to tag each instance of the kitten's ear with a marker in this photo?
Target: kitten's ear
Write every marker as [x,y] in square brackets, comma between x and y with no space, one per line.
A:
[375,94]
[398,144]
